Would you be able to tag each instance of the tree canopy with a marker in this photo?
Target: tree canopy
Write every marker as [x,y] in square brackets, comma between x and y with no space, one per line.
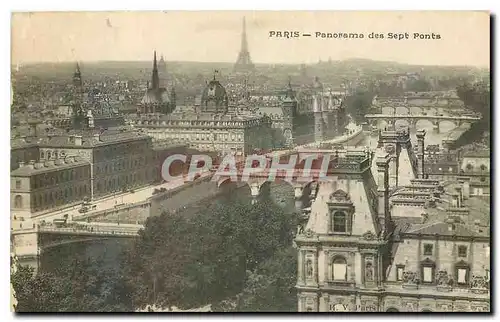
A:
[205,259]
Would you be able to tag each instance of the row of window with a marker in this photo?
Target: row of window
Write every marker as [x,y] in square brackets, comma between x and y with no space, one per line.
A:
[54,178]
[429,250]
[47,199]
[124,164]
[428,273]
[124,181]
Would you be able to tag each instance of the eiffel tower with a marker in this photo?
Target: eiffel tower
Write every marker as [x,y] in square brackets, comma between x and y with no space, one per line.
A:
[244,62]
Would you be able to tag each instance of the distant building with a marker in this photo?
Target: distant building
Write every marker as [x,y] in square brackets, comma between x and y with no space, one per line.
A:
[156,99]
[210,125]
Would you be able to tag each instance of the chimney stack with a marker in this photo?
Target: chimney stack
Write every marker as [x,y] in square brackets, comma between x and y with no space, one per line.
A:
[78,140]
[384,216]
[460,198]
[421,152]
[21,164]
[465,183]
[424,217]
[31,164]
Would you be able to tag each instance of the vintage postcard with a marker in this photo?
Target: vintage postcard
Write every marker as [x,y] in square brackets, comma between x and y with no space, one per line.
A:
[250,161]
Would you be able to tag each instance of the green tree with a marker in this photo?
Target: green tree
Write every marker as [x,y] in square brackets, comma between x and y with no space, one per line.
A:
[269,288]
[204,259]
[358,105]
[82,286]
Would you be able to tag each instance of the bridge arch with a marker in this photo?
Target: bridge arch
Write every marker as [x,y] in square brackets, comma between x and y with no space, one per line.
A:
[392,309]
[426,123]
[402,110]
[447,125]
[416,110]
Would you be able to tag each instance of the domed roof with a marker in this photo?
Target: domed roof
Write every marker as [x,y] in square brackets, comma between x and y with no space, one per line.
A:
[216,93]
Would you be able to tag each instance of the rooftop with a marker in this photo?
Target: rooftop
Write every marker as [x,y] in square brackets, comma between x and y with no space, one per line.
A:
[34,168]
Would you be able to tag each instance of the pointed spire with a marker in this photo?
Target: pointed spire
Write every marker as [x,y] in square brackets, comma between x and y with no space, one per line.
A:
[289,92]
[155,79]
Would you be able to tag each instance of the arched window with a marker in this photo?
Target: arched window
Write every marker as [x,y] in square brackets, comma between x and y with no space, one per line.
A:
[339,222]
[482,167]
[18,201]
[468,166]
[339,269]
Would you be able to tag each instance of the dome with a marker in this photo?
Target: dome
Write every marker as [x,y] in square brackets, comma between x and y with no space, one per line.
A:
[214,94]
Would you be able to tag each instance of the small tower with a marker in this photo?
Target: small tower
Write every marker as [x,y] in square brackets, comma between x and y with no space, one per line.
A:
[289,108]
[77,99]
[421,153]
[318,121]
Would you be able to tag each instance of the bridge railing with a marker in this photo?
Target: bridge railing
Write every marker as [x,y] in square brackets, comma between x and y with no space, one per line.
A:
[91,230]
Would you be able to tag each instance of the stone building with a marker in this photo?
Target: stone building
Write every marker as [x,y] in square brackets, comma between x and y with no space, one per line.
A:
[156,99]
[375,245]
[37,186]
[210,125]
[309,116]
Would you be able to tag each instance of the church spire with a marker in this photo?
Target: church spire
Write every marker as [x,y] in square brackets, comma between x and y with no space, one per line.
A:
[155,79]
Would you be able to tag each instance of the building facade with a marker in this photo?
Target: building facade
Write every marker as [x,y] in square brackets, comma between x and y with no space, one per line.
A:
[38,186]
[374,245]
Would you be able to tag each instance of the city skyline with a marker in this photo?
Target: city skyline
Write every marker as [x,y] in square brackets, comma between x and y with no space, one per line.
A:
[216,37]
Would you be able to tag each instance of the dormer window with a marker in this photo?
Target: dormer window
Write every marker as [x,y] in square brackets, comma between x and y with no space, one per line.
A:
[339,222]
[341,212]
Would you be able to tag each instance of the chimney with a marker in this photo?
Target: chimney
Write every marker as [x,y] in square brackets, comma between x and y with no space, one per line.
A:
[21,164]
[97,136]
[424,216]
[421,152]
[477,226]
[384,215]
[31,164]
[78,140]
[465,183]
[460,197]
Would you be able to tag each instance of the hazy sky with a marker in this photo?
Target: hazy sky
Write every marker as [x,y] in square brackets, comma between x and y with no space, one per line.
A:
[215,36]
